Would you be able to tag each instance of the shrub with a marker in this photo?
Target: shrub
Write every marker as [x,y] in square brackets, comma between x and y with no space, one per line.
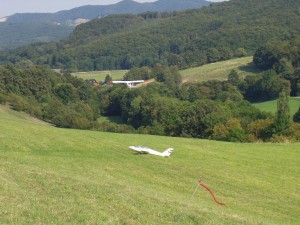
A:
[17,102]
[259,128]
[2,98]
[78,122]
[296,117]
[295,131]
[106,126]
[231,131]
[278,138]
[241,52]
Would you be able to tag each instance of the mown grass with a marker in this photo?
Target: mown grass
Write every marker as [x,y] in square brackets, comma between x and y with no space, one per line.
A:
[60,176]
[271,106]
[100,75]
[219,70]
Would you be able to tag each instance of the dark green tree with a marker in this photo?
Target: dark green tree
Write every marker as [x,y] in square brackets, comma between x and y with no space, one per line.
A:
[265,57]
[296,117]
[213,55]
[225,53]
[65,92]
[233,78]
[282,120]
[241,52]
[108,79]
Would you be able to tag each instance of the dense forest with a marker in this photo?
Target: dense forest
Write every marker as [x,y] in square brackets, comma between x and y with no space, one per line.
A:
[14,35]
[25,28]
[284,58]
[187,38]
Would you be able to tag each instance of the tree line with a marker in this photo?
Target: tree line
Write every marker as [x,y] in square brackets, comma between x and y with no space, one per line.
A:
[213,109]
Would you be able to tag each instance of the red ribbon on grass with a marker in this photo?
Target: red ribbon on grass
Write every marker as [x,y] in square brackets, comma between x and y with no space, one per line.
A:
[203,185]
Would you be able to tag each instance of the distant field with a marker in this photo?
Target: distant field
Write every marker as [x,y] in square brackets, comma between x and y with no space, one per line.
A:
[100,75]
[219,70]
[63,176]
[271,106]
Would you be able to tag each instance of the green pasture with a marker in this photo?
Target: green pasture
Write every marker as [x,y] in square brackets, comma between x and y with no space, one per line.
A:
[219,70]
[100,75]
[213,71]
[271,106]
[63,176]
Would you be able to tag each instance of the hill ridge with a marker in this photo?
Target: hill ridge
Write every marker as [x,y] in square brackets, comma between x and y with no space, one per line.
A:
[55,26]
[185,39]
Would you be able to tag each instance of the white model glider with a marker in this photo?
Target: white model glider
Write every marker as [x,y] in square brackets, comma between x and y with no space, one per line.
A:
[145,150]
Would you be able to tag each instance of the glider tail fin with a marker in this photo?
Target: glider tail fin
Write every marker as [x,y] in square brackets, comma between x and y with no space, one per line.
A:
[168,152]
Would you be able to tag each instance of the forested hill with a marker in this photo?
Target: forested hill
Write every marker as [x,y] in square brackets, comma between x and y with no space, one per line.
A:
[186,38]
[98,11]
[38,27]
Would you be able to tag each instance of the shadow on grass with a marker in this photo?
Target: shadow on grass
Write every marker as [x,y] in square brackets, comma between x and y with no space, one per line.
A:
[249,68]
[114,119]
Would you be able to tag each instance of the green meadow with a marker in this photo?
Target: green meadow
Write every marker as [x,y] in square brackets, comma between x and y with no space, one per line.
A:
[219,70]
[271,106]
[213,71]
[100,75]
[63,176]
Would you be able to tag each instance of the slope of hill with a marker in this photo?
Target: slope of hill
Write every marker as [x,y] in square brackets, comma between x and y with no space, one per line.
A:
[55,26]
[98,11]
[185,38]
[17,34]
[220,70]
[213,71]
[59,176]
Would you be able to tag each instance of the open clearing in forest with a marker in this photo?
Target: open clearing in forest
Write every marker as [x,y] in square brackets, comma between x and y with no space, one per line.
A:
[99,76]
[271,106]
[219,70]
[213,71]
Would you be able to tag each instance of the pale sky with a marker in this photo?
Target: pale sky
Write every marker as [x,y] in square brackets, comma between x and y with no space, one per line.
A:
[9,7]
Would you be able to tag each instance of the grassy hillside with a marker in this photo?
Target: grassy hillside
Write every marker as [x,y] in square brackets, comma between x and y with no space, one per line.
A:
[60,176]
[219,70]
[271,106]
[213,71]
[100,75]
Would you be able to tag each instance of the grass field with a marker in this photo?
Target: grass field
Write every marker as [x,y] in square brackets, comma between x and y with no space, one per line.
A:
[60,176]
[213,71]
[271,106]
[219,70]
[100,75]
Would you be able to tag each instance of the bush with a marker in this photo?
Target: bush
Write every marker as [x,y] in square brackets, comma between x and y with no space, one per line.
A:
[259,128]
[296,117]
[231,131]
[78,122]
[17,102]
[2,98]
[236,134]
[241,52]
[278,138]
[295,131]
[105,126]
